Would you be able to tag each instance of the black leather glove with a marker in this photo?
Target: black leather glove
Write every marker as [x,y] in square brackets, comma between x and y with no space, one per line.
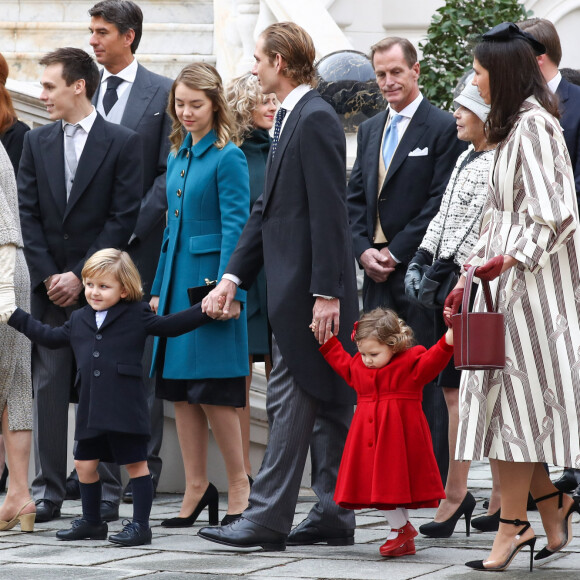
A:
[414,273]
[441,268]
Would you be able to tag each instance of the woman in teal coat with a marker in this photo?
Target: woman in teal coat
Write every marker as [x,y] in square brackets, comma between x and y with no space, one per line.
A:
[203,373]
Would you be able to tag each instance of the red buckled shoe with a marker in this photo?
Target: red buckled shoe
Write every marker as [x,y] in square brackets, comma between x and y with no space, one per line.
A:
[404,534]
[407,549]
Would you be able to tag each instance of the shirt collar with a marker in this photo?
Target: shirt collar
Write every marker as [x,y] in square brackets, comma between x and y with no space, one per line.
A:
[555,82]
[294,96]
[86,123]
[128,74]
[409,110]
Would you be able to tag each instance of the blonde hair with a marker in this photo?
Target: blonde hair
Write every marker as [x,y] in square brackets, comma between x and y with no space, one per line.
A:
[244,95]
[200,76]
[385,327]
[120,265]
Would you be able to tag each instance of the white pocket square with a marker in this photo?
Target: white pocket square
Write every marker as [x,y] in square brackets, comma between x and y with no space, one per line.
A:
[419,152]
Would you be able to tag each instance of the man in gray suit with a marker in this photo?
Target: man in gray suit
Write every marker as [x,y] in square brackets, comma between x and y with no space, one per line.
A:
[298,230]
[132,96]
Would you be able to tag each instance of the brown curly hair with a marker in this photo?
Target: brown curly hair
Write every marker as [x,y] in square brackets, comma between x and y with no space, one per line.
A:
[385,327]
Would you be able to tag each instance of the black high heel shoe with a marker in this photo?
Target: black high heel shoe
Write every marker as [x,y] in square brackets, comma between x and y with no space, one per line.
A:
[479,564]
[486,523]
[3,479]
[230,518]
[566,523]
[209,499]
[446,528]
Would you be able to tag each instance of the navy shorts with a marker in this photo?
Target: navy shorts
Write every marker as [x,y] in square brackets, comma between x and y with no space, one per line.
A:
[114,447]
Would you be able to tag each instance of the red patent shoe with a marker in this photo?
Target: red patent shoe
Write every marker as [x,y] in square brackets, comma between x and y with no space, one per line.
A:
[407,549]
[404,534]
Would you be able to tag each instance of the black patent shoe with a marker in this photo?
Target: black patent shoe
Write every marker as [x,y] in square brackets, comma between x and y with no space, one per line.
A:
[82,530]
[133,534]
[209,499]
[567,482]
[481,564]
[446,528]
[566,525]
[308,532]
[486,523]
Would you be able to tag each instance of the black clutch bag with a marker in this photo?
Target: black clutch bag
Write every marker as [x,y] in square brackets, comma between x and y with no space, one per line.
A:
[198,293]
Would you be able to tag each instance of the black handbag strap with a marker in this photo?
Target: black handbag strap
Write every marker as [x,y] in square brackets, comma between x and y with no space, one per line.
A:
[467,292]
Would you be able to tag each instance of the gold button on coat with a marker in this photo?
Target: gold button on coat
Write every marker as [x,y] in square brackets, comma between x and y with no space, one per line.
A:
[179,193]
[182,172]
[176,213]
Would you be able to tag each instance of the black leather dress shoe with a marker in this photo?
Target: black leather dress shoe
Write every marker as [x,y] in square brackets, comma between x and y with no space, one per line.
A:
[307,533]
[567,482]
[127,496]
[133,534]
[46,511]
[245,534]
[72,488]
[109,511]
[82,530]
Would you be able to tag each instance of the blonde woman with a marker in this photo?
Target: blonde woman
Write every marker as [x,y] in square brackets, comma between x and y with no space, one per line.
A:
[254,116]
[204,372]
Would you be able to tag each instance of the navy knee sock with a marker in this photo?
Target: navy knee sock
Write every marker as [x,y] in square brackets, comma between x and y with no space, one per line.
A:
[91,501]
[142,499]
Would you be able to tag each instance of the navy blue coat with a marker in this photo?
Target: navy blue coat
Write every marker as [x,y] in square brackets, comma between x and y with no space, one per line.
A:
[570,110]
[112,396]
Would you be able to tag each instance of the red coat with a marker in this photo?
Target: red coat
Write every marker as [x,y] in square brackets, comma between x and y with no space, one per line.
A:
[388,458]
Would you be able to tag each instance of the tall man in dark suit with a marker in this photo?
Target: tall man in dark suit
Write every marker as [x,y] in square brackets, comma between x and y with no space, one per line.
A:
[298,230]
[569,94]
[79,187]
[137,100]
[404,159]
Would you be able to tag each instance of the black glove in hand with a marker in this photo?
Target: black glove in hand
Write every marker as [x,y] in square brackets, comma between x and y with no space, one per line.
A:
[414,273]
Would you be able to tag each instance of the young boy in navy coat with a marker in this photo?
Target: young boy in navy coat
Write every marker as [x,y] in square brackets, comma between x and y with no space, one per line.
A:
[107,337]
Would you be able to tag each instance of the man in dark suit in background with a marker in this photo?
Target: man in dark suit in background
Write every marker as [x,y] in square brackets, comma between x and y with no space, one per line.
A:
[132,96]
[299,231]
[405,156]
[79,187]
[569,94]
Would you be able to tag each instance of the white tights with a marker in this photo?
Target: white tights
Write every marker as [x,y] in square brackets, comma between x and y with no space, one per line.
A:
[396,518]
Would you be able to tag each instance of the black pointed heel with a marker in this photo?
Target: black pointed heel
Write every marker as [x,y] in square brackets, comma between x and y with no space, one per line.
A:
[3,479]
[209,499]
[486,523]
[566,524]
[479,564]
[446,528]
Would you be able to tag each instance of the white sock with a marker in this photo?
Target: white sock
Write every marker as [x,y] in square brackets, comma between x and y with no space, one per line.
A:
[396,518]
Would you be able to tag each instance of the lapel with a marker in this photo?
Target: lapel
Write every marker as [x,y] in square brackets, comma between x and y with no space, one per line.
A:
[113,313]
[142,92]
[52,152]
[96,147]
[273,167]
[414,132]
[373,152]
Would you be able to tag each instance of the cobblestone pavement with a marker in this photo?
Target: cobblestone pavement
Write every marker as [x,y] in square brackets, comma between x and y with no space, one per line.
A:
[176,554]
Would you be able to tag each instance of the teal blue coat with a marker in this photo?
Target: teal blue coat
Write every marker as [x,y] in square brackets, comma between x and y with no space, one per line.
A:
[208,202]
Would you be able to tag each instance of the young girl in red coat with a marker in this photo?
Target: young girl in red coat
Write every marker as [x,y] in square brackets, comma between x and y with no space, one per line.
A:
[388,461]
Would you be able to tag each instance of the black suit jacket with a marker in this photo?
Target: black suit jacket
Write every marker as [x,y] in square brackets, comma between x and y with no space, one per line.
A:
[299,231]
[415,182]
[570,110]
[102,208]
[109,379]
[145,113]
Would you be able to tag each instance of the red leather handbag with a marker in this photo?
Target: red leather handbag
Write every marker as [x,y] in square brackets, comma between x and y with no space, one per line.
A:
[479,337]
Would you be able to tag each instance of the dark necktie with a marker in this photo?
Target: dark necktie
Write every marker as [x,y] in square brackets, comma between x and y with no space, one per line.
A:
[277,128]
[110,97]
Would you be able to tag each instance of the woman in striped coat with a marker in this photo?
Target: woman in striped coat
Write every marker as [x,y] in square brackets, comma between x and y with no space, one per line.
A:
[526,413]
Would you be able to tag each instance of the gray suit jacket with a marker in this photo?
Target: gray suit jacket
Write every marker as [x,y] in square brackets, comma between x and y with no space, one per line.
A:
[145,113]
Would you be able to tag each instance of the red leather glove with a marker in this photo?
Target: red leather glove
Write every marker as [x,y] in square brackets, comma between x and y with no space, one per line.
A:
[491,269]
[453,301]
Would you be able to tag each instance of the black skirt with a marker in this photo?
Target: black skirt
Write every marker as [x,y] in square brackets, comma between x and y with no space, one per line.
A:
[230,392]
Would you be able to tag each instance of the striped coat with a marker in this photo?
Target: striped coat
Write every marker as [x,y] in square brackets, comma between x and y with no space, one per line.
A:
[529,411]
